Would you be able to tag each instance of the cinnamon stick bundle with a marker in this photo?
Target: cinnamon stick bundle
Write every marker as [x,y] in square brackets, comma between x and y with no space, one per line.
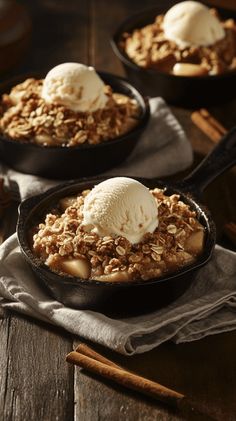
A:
[208,124]
[125,378]
[87,358]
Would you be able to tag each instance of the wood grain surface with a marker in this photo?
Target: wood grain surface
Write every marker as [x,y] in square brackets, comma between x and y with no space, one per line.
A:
[36,382]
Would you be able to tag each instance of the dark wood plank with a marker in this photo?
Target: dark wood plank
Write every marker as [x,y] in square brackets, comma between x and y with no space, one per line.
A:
[105,19]
[220,196]
[200,370]
[99,400]
[36,383]
[189,368]
[59,34]
[107,402]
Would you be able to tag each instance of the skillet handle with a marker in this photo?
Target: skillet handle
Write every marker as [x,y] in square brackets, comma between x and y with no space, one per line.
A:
[221,158]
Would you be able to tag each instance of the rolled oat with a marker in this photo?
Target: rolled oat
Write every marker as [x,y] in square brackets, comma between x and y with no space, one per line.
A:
[61,236]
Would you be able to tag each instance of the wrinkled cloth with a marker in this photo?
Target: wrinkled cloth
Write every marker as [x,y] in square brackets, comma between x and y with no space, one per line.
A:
[206,308]
[162,150]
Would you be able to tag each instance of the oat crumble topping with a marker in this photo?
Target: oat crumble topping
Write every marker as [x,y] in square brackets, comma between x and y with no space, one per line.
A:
[149,48]
[25,116]
[61,237]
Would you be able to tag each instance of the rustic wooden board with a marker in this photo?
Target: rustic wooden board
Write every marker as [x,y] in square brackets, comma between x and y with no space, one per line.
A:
[99,400]
[203,371]
[36,382]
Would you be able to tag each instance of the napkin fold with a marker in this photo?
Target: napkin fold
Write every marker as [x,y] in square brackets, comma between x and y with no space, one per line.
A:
[162,150]
[207,307]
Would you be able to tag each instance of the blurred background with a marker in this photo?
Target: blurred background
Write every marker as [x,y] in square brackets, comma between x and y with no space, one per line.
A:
[35,35]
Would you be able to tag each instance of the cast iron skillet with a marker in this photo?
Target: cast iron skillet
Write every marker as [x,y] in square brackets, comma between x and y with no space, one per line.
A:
[180,90]
[84,160]
[128,297]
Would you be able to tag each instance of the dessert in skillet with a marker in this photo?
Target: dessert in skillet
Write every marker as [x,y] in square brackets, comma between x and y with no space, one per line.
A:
[119,231]
[70,107]
[189,40]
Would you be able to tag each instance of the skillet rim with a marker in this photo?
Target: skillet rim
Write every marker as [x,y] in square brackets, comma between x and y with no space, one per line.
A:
[142,100]
[132,18]
[28,208]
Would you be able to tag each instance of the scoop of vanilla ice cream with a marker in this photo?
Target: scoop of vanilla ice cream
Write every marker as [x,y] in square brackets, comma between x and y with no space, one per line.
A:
[120,206]
[76,86]
[191,23]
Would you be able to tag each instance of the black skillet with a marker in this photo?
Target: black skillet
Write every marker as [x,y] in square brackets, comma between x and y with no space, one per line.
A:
[138,296]
[59,162]
[187,91]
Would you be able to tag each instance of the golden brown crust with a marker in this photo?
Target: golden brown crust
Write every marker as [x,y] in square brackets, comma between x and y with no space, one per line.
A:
[25,116]
[61,236]
[149,48]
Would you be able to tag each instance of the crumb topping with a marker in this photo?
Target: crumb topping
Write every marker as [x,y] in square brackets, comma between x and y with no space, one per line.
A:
[25,116]
[61,237]
[149,48]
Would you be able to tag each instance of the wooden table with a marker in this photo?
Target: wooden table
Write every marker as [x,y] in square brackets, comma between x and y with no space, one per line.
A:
[36,382]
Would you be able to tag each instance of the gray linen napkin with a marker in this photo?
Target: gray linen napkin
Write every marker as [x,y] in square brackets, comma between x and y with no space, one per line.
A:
[206,308]
[162,150]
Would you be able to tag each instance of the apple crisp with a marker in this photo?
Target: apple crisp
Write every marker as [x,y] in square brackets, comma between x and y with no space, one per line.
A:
[62,243]
[149,48]
[26,117]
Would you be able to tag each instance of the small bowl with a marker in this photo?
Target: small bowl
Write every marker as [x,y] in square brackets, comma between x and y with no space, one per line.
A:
[124,297]
[178,90]
[138,296]
[78,161]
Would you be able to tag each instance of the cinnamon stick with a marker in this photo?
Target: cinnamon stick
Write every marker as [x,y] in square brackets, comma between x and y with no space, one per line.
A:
[91,360]
[208,124]
[89,352]
[126,378]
